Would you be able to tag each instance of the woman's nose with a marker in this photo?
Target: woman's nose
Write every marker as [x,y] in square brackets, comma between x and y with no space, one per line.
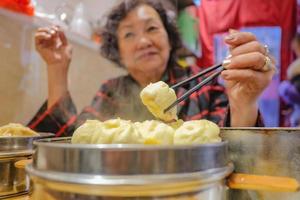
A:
[144,42]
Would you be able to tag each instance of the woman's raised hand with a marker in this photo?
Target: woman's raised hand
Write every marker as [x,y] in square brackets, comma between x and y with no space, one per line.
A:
[52,45]
[249,72]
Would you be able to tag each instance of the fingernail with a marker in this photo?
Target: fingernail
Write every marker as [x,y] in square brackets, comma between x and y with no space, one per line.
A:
[52,32]
[229,37]
[229,56]
[231,30]
[224,75]
[226,62]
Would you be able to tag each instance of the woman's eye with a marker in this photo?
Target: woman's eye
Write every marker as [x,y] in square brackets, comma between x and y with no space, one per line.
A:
[128,35]
[151,28]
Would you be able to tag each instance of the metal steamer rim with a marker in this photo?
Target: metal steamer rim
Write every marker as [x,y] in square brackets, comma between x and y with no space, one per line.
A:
[57,155]
[156,174]
[19,146]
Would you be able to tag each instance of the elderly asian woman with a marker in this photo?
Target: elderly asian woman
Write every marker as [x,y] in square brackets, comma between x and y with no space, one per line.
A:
[140,37]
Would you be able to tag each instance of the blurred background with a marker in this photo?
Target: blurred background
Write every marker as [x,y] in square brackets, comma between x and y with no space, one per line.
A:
[202,24]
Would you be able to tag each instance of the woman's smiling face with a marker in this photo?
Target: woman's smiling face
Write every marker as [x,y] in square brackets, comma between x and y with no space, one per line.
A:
[143,43]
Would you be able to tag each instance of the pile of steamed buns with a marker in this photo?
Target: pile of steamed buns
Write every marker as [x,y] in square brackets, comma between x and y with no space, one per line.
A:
[16,130]
[157,97]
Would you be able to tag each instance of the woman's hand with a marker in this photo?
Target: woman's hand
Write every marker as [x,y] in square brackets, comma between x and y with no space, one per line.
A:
[249,72]
[52,45]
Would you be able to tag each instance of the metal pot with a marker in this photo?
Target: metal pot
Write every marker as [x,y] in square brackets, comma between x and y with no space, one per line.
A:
[13,180]
[264,151]
[66,171]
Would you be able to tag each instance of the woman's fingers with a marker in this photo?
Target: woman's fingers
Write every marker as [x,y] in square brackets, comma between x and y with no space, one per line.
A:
[62,36]
[39,36]
[253,46]
[253,80]
[237,38]
[48,37]
[49,30]
[238,75]
[59,36]
[247,53]
[42,39]
[254,60]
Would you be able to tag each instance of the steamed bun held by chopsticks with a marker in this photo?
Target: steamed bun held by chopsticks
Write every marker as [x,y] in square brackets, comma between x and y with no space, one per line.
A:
[157,97]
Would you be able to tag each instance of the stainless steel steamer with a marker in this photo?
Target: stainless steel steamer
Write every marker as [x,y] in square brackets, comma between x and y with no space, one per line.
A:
[264,151]
[13,180]
[64,171]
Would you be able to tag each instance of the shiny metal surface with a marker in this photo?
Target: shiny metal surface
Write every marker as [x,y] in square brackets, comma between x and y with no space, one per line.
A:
[201,177]
[14,181]
[18,146]
[274,152]
[131,186]
[58,155]
[267,151]
[48,190]
[61,170]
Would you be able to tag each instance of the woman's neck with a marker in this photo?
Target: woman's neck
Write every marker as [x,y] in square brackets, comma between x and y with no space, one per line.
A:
[144,79]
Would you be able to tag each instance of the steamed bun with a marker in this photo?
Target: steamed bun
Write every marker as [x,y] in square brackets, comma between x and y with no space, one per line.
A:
[157,97]
[197,132]
[155,132]
[176,124]
[114,131]
[122,131]
[84,133]
[16,130]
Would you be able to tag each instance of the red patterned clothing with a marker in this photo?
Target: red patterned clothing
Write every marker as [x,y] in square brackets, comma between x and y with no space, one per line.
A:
[119,97]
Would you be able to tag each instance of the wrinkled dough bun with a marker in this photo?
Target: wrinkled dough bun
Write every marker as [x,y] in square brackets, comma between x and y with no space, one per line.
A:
[123,132]
[16,130]
[155,132]
[197,132]
[114,131]
[176,124]
[84,133]
[157,97]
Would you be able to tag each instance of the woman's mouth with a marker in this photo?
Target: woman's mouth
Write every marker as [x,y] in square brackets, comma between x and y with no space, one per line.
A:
[146,55]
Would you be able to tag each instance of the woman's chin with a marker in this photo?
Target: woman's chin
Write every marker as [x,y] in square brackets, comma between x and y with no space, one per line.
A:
[154,68]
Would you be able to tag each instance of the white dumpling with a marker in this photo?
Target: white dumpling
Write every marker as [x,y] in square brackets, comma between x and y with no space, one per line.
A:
[114,131]
[176,124]
[16,130]
[155,132]
[83,134]
[197,132]
[122,132]
[157,97]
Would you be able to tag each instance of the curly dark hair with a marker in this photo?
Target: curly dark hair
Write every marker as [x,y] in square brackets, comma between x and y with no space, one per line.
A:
[109,47]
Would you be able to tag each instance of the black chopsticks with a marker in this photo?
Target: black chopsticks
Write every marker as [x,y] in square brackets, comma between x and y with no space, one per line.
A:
[217,67]
[196,76]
